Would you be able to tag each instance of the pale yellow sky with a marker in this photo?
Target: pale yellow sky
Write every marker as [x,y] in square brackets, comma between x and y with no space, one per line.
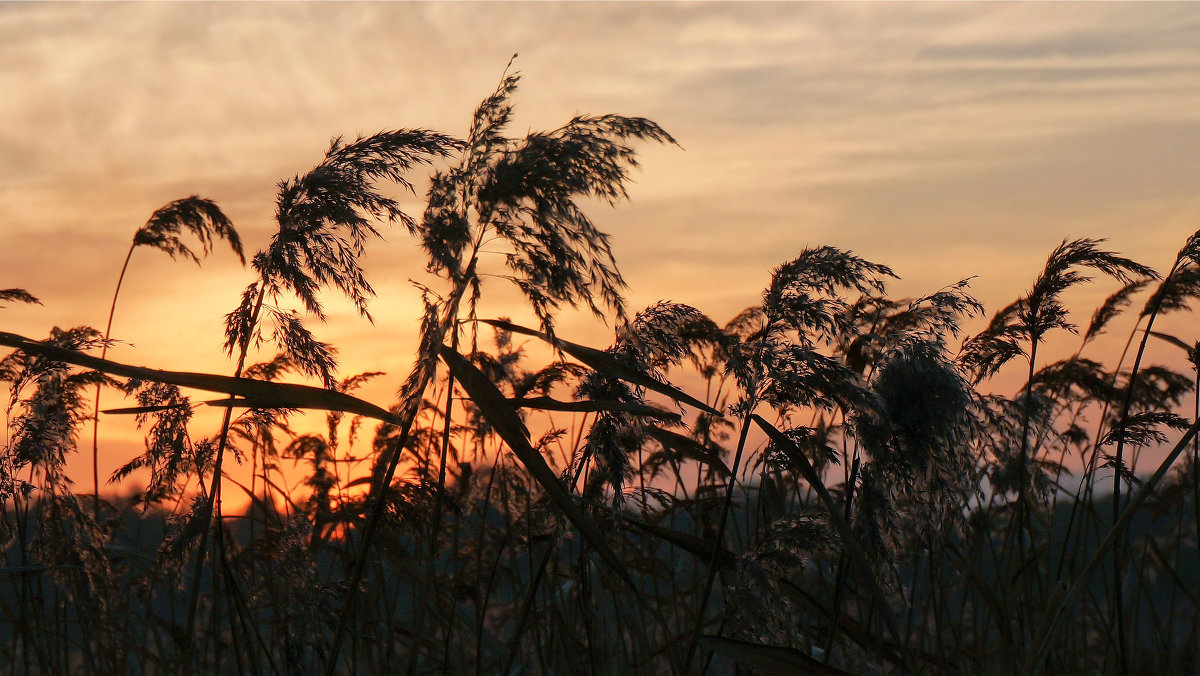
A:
[945,140]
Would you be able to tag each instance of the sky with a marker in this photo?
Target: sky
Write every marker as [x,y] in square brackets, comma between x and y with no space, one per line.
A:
[944,140]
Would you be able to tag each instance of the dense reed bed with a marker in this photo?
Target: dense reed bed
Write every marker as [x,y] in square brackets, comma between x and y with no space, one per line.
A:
[845,491]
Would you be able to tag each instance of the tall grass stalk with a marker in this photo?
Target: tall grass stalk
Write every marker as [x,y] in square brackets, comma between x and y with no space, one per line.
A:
[205,221]
[584,514]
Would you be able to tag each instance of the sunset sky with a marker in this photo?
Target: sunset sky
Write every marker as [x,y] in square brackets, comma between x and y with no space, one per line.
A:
[945,140]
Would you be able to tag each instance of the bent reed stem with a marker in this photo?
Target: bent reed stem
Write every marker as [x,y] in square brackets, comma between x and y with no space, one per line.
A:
[112,309]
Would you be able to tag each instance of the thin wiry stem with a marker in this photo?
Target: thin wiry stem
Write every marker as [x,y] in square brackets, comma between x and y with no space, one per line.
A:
[418,381]
[196,215]
[214,494]
[1118,471]
[96,408]
[711,574]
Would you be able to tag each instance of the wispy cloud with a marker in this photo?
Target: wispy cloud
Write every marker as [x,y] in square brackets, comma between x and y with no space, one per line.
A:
[915,133]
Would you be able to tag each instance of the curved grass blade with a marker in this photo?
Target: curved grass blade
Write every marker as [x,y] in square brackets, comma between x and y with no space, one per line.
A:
[263,394]
[133,410]
[360,481]
[243,402]
[1174,341]
[504,419]
[1057,604]
[767,658]
[605,363]
[701,548]
[593,405]
[853,548]
[688,448]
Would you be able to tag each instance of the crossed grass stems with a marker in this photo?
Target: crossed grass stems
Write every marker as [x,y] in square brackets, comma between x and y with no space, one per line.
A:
[897,518]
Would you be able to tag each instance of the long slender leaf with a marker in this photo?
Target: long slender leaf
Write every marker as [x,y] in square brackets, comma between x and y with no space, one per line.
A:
[133,410]
[853,548]
[689,543]
[503,417]
[1173,340]
[1057,604]
[605,363]
[262,393]
[244,402]
[689,448]
[590,405]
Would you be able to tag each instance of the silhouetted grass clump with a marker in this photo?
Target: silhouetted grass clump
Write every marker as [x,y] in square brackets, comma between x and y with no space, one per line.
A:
[850,493]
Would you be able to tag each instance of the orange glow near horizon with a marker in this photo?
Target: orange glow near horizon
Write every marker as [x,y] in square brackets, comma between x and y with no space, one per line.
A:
[944,140]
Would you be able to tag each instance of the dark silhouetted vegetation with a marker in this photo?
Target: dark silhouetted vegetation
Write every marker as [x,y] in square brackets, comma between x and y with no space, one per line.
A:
[840,488]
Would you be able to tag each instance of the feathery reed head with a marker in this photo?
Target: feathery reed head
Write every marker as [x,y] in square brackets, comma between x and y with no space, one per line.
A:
[326,216]
[199,216]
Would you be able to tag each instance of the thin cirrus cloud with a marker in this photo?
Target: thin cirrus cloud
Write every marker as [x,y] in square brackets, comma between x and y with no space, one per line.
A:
[945,140]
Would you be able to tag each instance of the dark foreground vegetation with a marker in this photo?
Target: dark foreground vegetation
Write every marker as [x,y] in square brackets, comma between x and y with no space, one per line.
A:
[841,492]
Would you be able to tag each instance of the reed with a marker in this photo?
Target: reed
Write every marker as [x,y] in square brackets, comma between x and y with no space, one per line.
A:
[846,490]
